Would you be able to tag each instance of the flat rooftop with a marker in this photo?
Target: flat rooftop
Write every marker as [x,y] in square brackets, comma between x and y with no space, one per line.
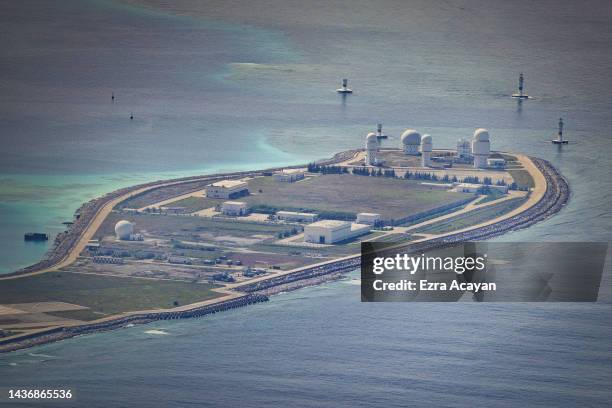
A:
[291,171]
[331,224]
[229,184]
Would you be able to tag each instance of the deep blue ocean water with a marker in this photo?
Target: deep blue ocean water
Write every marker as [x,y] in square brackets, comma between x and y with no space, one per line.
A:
[222,85]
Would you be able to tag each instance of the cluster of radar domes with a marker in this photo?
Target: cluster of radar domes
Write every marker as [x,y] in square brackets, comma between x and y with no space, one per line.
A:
[413,144]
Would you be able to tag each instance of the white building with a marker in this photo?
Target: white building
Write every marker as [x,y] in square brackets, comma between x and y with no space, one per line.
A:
[289,175]
[473,188]
[481,148]
[464,149]
[426,149]
[234,208]
[372,148]
[227,189]
[496,163]
[296,216]
[368,218]
[411,140]
[331,231]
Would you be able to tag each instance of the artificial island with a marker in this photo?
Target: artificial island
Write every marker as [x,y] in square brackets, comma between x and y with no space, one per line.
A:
[199,245]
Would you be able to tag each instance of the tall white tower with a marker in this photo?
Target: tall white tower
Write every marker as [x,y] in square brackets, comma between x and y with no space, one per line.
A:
[372,146]
[426,149]
[411,139]
[481,148]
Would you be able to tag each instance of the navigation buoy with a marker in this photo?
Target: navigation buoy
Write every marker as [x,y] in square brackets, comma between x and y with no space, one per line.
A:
[344,89]
[520,94]
[113,96]
[379,132]
[131,116]
[559,140]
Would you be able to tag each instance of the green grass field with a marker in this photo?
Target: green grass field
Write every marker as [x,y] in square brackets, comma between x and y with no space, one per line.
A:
[349,194]
[472,218]
[522,178]
[103,295]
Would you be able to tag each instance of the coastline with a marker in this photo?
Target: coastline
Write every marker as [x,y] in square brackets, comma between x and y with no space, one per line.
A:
[552,195]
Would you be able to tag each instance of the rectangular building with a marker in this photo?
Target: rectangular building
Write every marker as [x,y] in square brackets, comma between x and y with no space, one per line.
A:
[496,163]
[227,189]
[234,208]
[296,216]
[289,175]
[332,231]
[368,218]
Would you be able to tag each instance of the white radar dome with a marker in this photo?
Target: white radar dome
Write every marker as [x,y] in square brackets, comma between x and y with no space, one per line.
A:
[371,140]
[124,229]
[427,143]
[481,135]
[411,137]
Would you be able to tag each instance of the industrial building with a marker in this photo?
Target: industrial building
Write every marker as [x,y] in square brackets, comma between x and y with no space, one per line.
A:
[296,216]
[464,149]
[426,149]
[227,189]
[411,140]
[496,163]
[234,208]
[481,148]
[289,175]
[332,231]
[372,150]
[368,218]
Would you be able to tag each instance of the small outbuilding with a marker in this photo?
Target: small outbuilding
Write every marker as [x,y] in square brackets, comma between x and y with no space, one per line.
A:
[289,175]
[496,163]
[296,216]
[368,218]
[234,208]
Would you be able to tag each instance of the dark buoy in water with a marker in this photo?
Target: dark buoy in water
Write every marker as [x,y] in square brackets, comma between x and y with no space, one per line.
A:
[131,116]
[113,96]
[559,140]
[520,94]
[379,132]
[344,89]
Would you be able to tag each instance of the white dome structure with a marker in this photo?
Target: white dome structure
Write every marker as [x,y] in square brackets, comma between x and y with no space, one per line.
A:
[411,139]
[124,230]
[481,148]
[372,146]
[426,149]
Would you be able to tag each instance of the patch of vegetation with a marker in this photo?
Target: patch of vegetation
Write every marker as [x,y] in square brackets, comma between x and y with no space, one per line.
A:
[522,178]
[103,294]
[492,195]
[191,204]
[472,218]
